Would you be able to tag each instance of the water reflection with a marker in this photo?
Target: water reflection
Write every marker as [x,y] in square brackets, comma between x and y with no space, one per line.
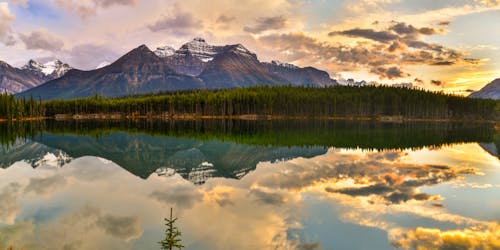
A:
[310,197]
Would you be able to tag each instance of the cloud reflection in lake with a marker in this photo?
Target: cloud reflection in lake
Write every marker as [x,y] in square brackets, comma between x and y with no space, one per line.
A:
[400,198]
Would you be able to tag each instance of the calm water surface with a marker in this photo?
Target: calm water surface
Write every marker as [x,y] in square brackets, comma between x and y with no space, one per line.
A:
[249,184]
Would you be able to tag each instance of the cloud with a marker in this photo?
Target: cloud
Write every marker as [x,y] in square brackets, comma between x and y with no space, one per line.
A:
[179,23]
[8,205]
[182,196]
[405,29]
[384,53]
[125,228]
[43,40]
[6,19]
[88,56]
[267,23]
[225,19]
[86,8]
[380,36]
[444,23]
[489,3]
[85,228]
[436,82]
[483,236]
[389,73]
[23,3]
[266,197]
[309,246]
[47,185]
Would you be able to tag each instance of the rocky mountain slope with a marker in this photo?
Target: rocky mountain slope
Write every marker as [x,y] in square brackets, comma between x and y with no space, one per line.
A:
[491,91]
[139,71]
[195,65]
[15,80]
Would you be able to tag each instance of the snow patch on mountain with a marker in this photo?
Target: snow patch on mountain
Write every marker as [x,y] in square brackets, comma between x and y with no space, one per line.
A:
[103,64]
[200,49]
[284,65]
[54,68]
[164,51]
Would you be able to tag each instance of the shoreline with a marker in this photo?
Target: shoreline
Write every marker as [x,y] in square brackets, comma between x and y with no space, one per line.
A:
[254,117]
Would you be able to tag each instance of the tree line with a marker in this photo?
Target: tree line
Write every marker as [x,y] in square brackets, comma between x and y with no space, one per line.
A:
[339,101]
[12,108]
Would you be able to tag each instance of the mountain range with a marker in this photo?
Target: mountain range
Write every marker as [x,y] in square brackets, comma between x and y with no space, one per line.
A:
[195,65]
[491,91]
[15,80]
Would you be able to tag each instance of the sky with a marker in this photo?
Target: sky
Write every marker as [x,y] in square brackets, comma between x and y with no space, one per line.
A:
[450,46]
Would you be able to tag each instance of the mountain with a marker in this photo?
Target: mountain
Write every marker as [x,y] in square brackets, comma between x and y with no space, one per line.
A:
[300,76]
[195,65]
[236,66]
[138,72]
[191,58]
[15,80]
[50,70]
[491,91]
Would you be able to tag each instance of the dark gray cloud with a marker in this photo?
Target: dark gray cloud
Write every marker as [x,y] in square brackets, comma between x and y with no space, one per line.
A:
[389,73]
[42,40]
[181,196]
[309,246]
[181,24]
[444,23]
[390,180]
[418,81]
[270,198]
[266,23]
[436,82]
[379,36]
[45,185]
[408,29]
[125,228]
[395,189]
[385,53]
[225,19]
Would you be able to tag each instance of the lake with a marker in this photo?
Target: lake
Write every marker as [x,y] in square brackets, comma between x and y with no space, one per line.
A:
[247,184]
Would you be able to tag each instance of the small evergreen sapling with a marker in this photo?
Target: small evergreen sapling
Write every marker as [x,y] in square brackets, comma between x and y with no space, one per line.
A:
[172,234]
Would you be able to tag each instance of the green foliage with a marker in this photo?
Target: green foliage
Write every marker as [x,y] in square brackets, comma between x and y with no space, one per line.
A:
[336,101]
[12,108]
[172,234]
[339,101]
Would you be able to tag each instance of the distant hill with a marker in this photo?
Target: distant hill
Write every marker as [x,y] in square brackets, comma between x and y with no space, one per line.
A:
[195,65]
[491,91]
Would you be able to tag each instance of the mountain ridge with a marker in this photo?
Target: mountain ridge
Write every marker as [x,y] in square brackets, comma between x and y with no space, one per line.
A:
[15,80]
[490,90]
[195,65]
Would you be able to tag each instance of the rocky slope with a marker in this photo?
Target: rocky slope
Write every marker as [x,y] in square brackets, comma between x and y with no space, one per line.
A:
[298,76]
[15,80]
[139,71]
[195,65]
[491,91]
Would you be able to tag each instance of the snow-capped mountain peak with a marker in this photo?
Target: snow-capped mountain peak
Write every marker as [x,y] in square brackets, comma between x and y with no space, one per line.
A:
[54,68]
[164,51]
[199,48]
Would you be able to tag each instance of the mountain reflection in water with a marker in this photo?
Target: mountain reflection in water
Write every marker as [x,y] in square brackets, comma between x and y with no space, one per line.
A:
[280,185]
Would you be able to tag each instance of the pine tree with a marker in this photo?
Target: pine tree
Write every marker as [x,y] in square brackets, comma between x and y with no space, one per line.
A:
[172,234]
